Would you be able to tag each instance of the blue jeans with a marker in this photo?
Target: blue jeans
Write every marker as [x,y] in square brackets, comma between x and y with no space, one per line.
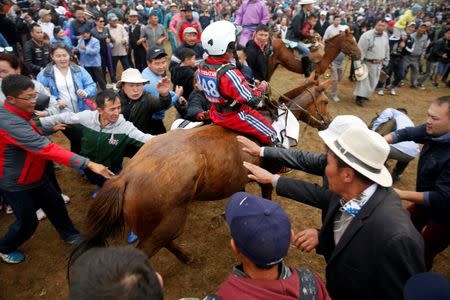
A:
[303,49]
[24,205]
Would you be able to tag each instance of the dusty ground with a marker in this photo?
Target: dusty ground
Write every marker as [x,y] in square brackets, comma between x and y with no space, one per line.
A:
[42,275]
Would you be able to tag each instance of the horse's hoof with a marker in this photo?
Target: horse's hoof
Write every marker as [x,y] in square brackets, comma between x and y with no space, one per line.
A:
[217,221]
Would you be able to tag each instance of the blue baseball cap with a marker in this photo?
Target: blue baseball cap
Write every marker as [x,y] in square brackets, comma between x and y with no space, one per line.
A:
[427,286]
[259,227]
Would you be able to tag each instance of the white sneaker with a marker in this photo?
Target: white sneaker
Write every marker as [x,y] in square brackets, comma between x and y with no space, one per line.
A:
[40,214]
[335,98]
[65,198]
[392,91]
[8,210]
[380,92]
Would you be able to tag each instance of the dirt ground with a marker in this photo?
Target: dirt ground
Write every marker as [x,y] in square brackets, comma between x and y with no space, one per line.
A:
[42,275]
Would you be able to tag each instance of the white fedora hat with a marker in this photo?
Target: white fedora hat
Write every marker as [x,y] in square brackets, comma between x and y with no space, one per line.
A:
[362,72]
[131,75]
[339,125]
[364,151]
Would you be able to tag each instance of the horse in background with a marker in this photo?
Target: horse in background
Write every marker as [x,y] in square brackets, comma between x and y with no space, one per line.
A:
[281,55]
[152,192]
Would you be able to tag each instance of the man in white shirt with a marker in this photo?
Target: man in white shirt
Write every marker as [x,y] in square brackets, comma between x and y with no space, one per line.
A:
[46,22]
[337,66]
[403,152]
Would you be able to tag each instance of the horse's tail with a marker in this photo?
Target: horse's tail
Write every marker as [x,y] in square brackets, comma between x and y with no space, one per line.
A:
[104,218]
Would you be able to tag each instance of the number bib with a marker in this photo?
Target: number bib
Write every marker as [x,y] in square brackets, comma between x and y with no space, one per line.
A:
[207,78]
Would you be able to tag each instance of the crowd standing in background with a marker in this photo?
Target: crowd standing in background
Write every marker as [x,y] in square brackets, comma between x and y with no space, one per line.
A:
[59,71]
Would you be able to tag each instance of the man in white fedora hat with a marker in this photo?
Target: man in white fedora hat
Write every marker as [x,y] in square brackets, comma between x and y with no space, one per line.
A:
[366,236]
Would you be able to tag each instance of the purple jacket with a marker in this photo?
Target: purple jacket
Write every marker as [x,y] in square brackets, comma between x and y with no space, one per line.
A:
[252,12]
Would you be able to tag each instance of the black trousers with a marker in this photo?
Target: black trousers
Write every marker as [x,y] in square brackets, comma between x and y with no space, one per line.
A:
[139,58]
[24,205]
[74,136]
[97,75]
[125,65]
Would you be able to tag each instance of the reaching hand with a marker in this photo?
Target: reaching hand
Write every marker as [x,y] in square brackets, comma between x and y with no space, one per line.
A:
[163,86]
[179,90]
[100,169]
[62,104]
[59,126]
[182,100]
[306,240]
[249,146]
[258,174]
[82,93]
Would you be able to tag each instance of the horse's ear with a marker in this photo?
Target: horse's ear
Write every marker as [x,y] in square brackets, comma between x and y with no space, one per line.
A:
[326,84]
[312,78]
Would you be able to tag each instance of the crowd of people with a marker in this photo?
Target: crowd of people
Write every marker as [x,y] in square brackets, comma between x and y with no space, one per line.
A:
[59,72]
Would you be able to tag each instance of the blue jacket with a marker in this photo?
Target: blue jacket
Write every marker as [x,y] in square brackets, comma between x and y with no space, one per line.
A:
[433,171]
[151,89]
[90,57]
[81,78]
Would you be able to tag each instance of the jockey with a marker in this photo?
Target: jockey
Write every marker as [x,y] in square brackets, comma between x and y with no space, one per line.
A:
[225,86]
[294,32]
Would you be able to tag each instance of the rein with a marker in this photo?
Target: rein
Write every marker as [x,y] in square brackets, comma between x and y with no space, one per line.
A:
[299,108]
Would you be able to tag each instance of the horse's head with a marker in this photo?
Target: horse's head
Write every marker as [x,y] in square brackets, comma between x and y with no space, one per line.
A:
[345,42]
[311,106]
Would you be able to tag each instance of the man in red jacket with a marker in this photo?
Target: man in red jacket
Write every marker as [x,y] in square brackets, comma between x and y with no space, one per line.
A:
[261,235]
[24,152]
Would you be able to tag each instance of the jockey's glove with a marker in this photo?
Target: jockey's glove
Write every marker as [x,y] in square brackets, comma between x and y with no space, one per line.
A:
[254,101]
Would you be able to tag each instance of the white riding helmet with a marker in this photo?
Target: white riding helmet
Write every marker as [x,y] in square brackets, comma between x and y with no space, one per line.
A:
[217,36]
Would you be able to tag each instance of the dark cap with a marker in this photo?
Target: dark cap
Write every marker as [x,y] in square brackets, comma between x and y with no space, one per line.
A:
[155,52]
[427,286]
[259,227]
[186,7]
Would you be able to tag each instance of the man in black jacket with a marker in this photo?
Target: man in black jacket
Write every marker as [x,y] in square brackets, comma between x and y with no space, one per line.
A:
[134,32]
[322,24]
[138,106]
[430,208]
[366,236]
[190,41]
[258,51]
[36,52]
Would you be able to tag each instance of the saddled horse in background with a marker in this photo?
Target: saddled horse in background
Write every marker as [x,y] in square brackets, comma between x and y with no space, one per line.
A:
[343,42]
[152,192]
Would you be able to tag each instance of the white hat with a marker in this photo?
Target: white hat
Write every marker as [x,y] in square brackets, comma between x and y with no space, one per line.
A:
[323,12]
[131,75]
[133,13]
[362,72]
[304,2]
[364,151]
[359,18]
[339,125]
[61,10]
[44,12]
[139,7]
[189,30]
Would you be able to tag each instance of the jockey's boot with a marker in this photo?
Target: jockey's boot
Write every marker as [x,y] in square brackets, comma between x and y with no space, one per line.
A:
[306,62]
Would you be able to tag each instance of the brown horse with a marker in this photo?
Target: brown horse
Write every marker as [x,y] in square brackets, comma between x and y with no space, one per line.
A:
[154,189]
[343,42]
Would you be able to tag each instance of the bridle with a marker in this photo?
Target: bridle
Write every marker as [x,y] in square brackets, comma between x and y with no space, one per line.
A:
[330,41]
[297,107]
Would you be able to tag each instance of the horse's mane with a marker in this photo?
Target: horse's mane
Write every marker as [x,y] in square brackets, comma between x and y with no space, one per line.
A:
[297,91]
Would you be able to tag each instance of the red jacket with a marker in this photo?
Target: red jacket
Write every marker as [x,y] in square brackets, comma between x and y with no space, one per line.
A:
[238,287]
[24,151]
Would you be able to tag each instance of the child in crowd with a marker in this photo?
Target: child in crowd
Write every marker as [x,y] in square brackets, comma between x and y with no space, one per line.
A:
[183,74]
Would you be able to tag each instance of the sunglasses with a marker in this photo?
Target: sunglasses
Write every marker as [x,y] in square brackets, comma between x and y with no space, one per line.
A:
[6,49]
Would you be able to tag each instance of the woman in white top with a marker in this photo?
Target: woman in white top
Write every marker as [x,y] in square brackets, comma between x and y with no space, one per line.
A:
[71,86]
